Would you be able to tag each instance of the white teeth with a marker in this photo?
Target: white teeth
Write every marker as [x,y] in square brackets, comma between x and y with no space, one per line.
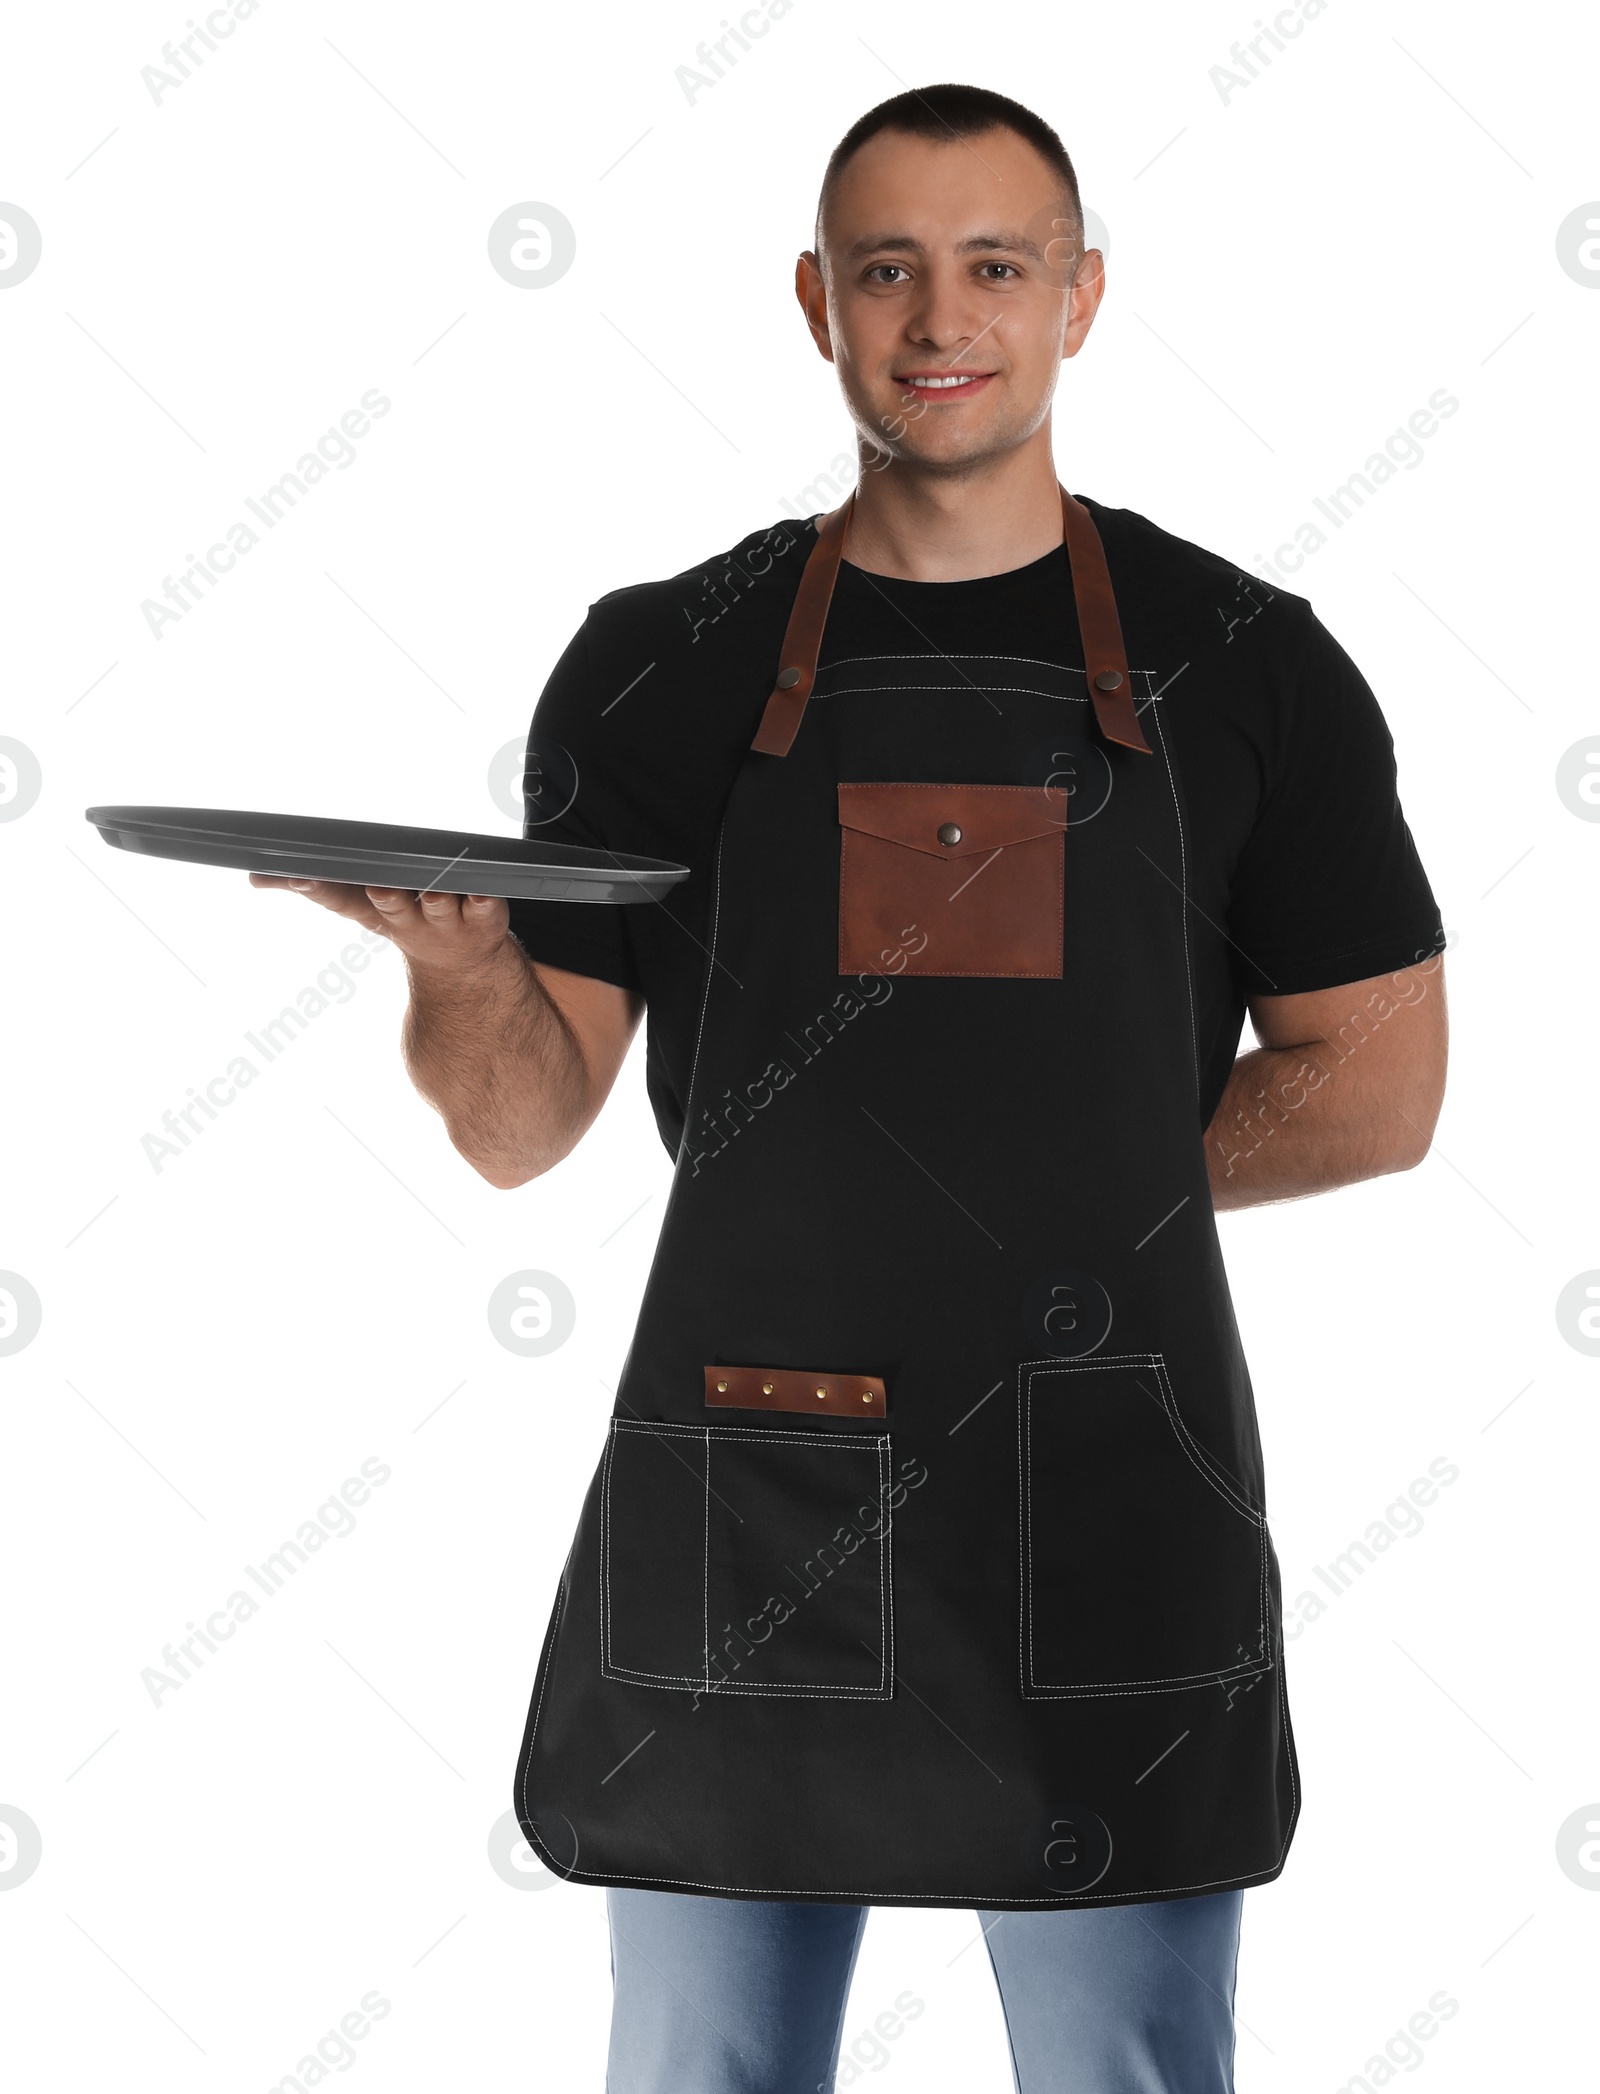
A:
[965,379]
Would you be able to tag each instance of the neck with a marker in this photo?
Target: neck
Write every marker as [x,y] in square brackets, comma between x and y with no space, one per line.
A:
[951,526]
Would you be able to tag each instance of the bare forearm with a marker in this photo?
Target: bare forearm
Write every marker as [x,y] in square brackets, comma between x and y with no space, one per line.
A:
[1285,1130]
[492,1054]
[1356,1098]
[517,1058]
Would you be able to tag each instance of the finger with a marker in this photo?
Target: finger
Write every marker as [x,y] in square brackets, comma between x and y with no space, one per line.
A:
[440,908]
[341,900]
[395,908]
[332,894]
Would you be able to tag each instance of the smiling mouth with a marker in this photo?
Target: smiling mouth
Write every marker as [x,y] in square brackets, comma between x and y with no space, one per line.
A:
[942,382]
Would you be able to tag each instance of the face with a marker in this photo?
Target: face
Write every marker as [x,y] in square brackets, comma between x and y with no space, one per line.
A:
[949,290]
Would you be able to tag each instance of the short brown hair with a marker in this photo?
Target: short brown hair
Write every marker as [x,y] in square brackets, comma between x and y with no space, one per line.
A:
[949,112]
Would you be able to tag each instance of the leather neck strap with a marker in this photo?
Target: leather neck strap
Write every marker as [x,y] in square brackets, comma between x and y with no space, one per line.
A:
[1105,659]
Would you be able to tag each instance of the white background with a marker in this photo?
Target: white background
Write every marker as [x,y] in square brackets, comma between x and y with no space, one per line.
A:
[1293,270]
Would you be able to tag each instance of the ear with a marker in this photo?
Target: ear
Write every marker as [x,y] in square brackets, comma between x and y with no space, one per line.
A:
[1083,300]
[812,293]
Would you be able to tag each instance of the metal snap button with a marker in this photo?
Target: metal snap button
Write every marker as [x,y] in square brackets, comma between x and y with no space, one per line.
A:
[822,1392]
[766,1388]
[787,679]
[866,1395]
[1108,680]
[722,1385]
[949,832]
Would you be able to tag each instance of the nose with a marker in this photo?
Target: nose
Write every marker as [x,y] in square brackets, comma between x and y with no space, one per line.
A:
[946,317]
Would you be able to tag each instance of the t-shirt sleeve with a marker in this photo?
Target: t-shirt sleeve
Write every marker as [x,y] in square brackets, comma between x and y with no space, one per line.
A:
[1328,887]
[569,798]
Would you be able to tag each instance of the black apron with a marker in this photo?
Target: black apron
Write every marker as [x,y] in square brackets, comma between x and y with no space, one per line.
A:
[927,1560]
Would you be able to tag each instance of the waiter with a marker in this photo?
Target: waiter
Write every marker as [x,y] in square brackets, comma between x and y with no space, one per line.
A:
[927,1560]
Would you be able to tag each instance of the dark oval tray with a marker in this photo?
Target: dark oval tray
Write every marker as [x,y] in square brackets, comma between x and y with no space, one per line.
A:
[386,854]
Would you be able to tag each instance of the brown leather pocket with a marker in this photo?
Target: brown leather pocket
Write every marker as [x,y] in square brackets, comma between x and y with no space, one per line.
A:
[951,879]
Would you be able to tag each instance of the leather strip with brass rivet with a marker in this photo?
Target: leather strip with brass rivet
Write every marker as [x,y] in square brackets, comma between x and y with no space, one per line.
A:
[795,1389]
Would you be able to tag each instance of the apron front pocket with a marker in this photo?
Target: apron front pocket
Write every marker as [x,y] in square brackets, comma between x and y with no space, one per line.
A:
[1144,1563]
[737,1560]
[951,879]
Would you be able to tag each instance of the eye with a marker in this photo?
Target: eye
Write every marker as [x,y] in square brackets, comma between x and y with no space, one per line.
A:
[1006,266]
[874,275]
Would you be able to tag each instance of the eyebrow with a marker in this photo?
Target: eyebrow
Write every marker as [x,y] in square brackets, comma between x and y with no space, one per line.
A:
[975,243]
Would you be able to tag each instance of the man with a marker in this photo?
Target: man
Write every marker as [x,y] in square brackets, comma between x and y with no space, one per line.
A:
[1001,808]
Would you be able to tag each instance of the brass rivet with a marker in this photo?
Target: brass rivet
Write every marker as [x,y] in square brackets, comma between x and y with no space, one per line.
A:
[822,1392]
[866,1395]
[949,832]
[1108,680]
[766,1388]
[787,679]
[722,1384]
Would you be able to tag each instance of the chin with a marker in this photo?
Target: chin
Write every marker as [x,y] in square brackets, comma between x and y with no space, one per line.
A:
[972,450]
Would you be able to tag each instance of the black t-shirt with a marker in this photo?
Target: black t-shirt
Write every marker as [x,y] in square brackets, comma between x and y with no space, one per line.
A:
[1301,870]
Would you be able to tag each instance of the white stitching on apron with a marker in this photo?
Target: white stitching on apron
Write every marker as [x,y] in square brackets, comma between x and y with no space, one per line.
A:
[1159,1683]
[1066,668]
[675,1682]
[1183,890]
[711,962]
[879,1897]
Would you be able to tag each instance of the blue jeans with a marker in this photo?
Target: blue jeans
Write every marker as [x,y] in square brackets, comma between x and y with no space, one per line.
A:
[747,1995]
